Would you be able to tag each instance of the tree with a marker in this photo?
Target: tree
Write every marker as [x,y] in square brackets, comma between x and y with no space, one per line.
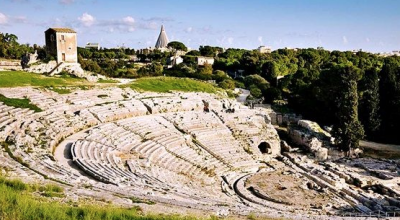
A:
[347,130]
[209,51]
[177,46]
[389,91]
[270,71]
[219,75]
[227,84]
[255,91]
[10,39]
[255,80]
[206,69]
[193,53]
[369,102]
[156,69]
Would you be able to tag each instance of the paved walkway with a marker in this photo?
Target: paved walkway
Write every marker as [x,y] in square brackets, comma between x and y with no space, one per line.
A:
[243,95]
[63,152]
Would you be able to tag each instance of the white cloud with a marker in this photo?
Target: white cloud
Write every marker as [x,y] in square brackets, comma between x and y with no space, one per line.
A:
[189,30]
[3,18]
[87,19]
[128,20]
[230,40]
[19,19]
[367,39]
[345,41]
[260,40]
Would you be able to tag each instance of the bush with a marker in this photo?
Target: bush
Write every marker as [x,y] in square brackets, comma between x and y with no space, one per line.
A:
[227,84]
[255,92]
[219,75]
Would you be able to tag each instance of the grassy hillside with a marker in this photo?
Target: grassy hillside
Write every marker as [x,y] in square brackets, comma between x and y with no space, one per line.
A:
[19,103]
[20,78]
[18,203]
[166,84]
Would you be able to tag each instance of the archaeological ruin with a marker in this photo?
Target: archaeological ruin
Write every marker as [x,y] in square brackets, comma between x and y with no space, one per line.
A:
[194,150]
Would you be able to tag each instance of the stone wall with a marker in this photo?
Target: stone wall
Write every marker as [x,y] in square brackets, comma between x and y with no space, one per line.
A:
[10,65]
[283,119]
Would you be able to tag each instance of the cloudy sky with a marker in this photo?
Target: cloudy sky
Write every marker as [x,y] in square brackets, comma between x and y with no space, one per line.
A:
[371,25]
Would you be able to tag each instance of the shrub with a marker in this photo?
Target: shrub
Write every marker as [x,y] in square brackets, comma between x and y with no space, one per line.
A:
[227,84]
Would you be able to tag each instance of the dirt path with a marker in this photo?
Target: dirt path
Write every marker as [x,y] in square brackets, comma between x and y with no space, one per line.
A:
[379,150]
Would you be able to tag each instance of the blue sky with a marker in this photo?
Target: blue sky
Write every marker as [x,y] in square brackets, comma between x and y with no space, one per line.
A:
[371,25]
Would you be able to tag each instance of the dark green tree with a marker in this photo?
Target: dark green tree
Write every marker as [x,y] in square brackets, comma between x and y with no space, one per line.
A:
[176,45]
[369,102]
[209,51]
[389,89]
[347,129]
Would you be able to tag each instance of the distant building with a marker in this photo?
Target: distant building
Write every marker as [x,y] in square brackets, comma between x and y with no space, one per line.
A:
[388,54]
[264,49]
[92,46]
[289,48]
[201,61]
[175,60]
[162,40]
[61,43]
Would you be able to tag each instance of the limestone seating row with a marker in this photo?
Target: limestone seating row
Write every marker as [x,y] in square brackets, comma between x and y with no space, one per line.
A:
[173,141]
[170,180]
[11,118]
[172,104]
[119,110]
[60,171]
[96,158]
[214,136]
[100,162]
[113,135]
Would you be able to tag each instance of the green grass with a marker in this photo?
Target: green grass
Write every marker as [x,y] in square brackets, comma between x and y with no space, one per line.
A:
[61,90]
[19,103]
[20,78]
[17,203]
[145,201]
[166,84]
[107,81]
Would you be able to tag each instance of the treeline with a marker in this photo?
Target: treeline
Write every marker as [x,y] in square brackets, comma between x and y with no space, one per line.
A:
[11,49]
[358,93]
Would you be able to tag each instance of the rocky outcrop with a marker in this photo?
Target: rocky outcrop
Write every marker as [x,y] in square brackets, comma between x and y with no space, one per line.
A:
[53,68]
[311,136]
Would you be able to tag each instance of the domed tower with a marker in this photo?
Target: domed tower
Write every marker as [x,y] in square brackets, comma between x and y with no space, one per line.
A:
[162,39]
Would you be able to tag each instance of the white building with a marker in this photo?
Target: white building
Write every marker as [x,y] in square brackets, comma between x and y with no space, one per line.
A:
[201,61]
[264,49]
[92,45]
[61,43]
[175,60]
[162,40]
